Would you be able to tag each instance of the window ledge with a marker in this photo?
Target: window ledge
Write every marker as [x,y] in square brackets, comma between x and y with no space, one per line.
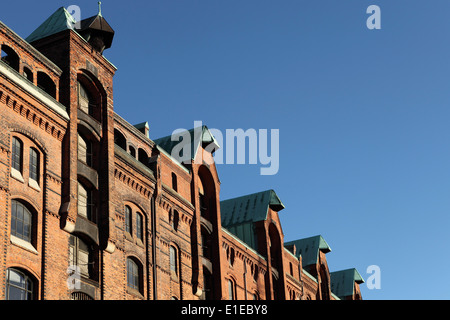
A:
[23,244]
[33,184]
[140,243]
[128,236]
[17,175]
[135,293]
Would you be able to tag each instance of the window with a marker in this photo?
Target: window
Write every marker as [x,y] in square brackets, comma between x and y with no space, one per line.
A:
[174,217]
[28,74]
[139,233]
[173,261]
[21,220]
[34,164]
[231,293]
[174,182]
[203,209]
[142,156]
[230,256]
[17,154]
[18,285]
[255,272]
[80,296]
[128,219]
[133,274]
[84,100]
[120,140]
[84,150]
[10,57]
[46,83]
[132,151]
[80,255]
[85,205]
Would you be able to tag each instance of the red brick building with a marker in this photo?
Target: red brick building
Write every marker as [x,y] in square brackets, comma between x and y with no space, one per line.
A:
[92,208]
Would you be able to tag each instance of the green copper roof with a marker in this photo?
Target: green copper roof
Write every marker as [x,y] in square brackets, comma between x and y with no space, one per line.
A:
[250,208]
[309,248]
[59,21]
[190,140]
[238,215]
[88,28]
[343,282]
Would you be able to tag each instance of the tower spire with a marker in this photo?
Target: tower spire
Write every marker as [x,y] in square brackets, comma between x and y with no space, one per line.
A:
[100,8]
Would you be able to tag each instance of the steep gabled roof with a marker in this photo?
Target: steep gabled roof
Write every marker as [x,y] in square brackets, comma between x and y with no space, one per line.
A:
[250,208]
[62,20]
[238,215]
[343,282]
[59,21]
[309,248]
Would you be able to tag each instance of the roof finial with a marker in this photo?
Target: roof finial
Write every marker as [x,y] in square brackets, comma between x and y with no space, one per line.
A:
[100,8]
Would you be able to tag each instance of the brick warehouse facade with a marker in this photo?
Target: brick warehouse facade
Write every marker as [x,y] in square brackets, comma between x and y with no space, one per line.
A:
[92,208]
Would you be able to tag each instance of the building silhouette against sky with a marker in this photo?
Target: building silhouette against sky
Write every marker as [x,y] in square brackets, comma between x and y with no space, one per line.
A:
[92,208]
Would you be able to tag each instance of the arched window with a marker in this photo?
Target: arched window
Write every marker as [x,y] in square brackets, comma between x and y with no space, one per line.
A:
[231,290]
[28,74]
[19,285]
[17,154]
[10,57]
[230,256]
[34,164]
[142,156]
[173,261]
[119,139]
[80,296]
[128,220]
[255,272]
[133,275]
[139,226]
[46,83]
[21,221]
[132,151]
[174,217]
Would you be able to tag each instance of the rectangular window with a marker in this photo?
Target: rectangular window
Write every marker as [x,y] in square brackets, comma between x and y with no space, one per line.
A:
[84,150]
[34,164]
[85,205]
[80,255]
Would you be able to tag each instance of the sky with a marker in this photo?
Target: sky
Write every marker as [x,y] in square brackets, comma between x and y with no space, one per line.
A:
[362,114]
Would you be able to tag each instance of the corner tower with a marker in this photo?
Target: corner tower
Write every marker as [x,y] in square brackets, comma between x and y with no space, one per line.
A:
[86,89]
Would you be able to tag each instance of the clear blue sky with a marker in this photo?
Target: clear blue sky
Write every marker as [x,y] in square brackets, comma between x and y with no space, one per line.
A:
[363,114]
